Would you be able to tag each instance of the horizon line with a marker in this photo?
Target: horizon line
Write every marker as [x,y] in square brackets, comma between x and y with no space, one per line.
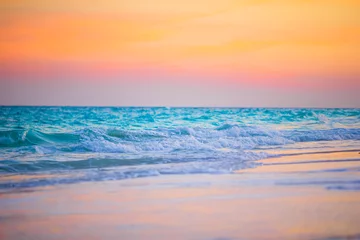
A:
[158,106]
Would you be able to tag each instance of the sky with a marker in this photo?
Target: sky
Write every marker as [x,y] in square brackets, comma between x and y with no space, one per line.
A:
[244,53]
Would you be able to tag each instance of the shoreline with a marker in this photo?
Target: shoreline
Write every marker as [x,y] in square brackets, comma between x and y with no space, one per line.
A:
[297,199]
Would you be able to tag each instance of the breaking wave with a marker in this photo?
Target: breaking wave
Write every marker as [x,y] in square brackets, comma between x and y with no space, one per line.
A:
[118,143]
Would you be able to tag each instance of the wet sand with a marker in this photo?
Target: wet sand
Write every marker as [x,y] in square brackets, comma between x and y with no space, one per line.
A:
[307,196]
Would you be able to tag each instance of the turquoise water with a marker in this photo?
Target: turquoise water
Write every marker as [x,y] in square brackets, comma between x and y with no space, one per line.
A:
[74,144]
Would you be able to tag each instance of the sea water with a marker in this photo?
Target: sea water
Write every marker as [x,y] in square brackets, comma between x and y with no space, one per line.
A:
[58,145]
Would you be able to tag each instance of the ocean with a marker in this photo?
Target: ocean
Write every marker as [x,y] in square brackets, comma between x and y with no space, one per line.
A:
[62,145]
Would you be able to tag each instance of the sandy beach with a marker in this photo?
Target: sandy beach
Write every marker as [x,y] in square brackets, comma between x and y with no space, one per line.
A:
[307,196]
[179,120]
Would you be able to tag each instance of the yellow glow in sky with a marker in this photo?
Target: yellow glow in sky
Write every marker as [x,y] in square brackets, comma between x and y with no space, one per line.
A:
[276,42]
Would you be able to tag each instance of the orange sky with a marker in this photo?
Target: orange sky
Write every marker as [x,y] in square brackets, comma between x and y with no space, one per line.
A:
[280,43]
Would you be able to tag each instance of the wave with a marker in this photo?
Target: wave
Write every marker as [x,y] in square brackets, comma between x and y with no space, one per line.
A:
[31,150]
[116,169]
[323,135]
[20,137]
[230,136]
[115,143]
[89,161]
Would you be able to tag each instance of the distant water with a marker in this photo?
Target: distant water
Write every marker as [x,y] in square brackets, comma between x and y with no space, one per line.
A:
[50,145]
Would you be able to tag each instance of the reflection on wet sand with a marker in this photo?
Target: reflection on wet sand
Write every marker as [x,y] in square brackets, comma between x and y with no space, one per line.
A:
[314,156]
[310,162]
[247,205]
